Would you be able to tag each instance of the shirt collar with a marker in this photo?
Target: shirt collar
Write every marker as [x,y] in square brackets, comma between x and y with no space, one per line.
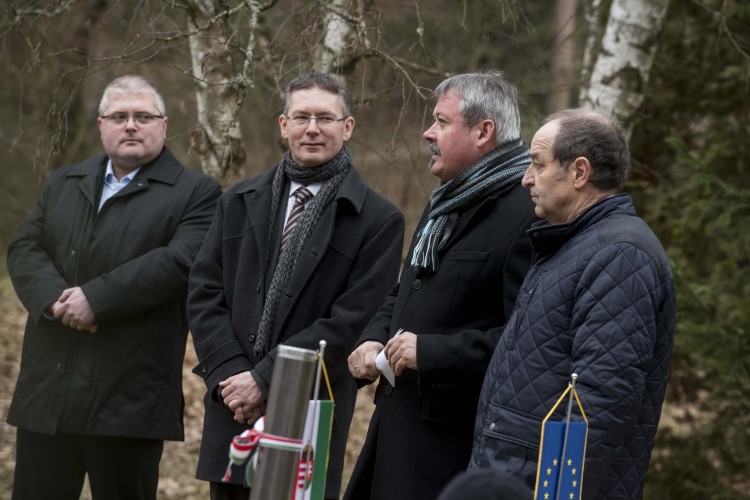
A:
[109,176]
[314,187]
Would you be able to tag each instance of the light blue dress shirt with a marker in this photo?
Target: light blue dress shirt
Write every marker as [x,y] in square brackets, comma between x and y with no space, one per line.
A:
[112,186]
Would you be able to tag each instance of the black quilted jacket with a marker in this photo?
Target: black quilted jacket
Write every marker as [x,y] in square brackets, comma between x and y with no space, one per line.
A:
[598,301]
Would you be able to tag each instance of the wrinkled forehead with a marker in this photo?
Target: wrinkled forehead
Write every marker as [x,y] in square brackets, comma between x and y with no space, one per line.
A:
[544,141]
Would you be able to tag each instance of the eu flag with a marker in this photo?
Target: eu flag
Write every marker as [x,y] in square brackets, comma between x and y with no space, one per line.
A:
[562,450]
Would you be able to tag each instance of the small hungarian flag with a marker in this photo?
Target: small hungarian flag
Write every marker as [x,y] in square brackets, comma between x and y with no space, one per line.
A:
[313,464]
[562,450]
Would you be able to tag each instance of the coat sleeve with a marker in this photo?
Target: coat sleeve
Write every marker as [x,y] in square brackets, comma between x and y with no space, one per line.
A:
[36,279]
[373,273]
[614,325]
[378,329]
[444,359]
[209,314]
[160,275]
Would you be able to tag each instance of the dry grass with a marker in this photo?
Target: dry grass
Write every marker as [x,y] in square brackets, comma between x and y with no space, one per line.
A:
[178,463]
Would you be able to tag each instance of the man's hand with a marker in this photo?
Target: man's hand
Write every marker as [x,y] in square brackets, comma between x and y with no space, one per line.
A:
[401,352]
[73,310]
[362,361]
[243,397]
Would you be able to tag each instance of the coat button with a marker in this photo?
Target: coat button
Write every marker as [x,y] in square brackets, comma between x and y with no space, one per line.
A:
[417,284]
[492,425]
[204,369]
[388,390]
[72,253]
[251,337]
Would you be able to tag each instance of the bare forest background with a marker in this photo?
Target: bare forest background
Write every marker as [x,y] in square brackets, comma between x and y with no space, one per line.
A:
[677,73]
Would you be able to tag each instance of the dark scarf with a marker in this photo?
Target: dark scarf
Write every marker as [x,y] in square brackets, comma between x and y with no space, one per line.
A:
[333,174]
[497,169]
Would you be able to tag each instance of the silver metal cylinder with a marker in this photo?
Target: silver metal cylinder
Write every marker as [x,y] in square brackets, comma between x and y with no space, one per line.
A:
[291,386]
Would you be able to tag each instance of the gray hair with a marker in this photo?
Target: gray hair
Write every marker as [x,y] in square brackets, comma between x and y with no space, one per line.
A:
[131,84]
[323,81]
[596,137]
[486,95]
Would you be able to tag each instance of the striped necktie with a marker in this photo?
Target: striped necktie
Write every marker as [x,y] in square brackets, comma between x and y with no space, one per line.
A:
[301,196]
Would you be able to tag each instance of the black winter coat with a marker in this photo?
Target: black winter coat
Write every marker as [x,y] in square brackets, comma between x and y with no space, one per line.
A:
[346,269]
[132,261]
[598,302]
[421,431]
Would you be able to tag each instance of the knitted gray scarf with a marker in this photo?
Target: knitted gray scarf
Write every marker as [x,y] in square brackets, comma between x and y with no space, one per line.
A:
[333,173]
[497,169]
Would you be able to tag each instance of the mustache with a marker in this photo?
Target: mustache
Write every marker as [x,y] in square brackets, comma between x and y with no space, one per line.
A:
[432,146]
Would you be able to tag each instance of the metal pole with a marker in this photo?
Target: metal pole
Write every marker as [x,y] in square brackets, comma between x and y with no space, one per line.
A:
[291,384]
[316,392]
[573,378]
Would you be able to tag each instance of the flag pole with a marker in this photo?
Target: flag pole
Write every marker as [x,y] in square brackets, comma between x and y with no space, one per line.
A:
[573,378]
[316,391]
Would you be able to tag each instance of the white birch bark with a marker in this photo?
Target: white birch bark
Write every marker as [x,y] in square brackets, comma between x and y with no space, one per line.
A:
[591,13]
[622,68]
[331,54]
[219,92]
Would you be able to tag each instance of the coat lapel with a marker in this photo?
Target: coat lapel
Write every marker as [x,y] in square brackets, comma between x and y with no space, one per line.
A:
[91,174]
[464,223]
[258,207]
[164,168]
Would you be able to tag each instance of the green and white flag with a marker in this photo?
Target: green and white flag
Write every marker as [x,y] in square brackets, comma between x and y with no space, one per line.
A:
[313,464]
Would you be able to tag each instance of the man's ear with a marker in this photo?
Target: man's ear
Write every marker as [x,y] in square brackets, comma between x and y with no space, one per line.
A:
[486,132]
[283,124]
[581,170]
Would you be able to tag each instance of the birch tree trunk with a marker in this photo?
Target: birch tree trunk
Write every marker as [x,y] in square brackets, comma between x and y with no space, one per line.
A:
[219,91]
[622,68]
[591,14]
[331,54]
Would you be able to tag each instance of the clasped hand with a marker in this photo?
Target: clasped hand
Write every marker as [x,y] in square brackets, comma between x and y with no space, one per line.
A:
[73,310]
[400,351]
[242,396]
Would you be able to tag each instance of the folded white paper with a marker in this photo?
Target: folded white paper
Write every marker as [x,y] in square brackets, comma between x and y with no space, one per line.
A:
[385,368]
[382,364]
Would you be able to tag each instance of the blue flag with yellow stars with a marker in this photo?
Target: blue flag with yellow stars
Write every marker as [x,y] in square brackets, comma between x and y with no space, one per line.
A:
[562,450]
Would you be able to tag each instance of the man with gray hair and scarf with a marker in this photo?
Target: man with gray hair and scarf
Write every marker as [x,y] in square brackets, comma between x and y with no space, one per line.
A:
[439,326]
[302,253]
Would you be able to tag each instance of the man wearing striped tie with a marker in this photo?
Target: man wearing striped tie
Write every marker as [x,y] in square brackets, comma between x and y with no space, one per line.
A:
[303,252]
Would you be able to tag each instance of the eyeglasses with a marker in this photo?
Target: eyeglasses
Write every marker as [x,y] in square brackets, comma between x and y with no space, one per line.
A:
[141,118]
[322,121]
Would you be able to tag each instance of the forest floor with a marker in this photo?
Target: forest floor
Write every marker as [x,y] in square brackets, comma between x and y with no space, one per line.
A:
[177,474]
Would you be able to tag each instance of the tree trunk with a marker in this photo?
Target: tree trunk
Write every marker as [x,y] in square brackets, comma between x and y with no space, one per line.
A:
[564,56]
[219,92]
[624,62]
[591,13]
[331,53]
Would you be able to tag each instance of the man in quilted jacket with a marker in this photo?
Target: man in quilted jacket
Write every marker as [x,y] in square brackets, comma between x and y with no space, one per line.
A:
[599,301]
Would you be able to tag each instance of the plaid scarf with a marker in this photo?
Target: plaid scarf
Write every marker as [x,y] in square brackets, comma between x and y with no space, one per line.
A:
[497,169]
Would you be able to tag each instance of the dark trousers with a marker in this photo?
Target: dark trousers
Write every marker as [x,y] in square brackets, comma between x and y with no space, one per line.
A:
[226,491]
[55,466]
